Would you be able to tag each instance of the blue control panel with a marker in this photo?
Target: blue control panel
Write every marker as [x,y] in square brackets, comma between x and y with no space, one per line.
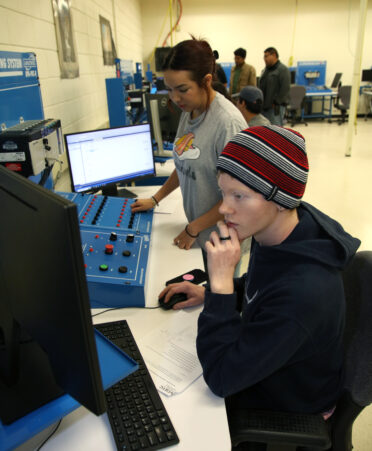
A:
[109,212]
[115,245]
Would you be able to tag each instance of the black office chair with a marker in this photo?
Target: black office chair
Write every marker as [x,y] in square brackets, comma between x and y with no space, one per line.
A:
[343,102]
[297,95]
[290,432]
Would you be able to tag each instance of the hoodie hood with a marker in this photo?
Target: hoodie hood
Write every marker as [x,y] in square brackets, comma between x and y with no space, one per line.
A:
[320,238]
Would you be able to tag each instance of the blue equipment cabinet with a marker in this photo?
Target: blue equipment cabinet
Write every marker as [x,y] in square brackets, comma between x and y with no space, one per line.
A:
[20,95]
[311,73]
[116,102]
[138,76]
[227,68]
[124,70]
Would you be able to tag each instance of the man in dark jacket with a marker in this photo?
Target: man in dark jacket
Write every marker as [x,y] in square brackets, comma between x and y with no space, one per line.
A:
[220,73]
[274,83]
[273,338]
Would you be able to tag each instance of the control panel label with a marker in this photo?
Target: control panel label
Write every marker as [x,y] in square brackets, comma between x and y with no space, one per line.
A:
[13,156]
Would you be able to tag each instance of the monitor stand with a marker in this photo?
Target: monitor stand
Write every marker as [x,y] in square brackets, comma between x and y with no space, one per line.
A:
[112,190]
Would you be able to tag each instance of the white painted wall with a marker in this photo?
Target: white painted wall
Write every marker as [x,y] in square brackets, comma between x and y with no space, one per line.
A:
[80,103]
[325,29]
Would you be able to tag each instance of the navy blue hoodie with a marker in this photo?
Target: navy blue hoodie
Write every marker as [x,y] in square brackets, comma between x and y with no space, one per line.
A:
[276,342]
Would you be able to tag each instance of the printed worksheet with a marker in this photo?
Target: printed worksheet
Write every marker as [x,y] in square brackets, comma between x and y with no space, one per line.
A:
[170,354]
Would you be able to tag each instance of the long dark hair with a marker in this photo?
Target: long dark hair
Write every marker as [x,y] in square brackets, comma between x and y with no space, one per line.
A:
[195,56]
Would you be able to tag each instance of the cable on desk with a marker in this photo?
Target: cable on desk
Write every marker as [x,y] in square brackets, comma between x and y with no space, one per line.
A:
[119,308]
[50,435]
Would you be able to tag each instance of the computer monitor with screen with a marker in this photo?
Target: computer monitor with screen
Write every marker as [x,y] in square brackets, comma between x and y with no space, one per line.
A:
[367,75]
[169,115]
[47,344]
[99,159]
[336,80]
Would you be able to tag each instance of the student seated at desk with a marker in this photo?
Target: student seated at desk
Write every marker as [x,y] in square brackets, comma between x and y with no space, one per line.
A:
[273,338]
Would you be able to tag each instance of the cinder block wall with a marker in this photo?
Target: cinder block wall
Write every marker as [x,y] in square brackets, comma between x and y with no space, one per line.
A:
[80,103]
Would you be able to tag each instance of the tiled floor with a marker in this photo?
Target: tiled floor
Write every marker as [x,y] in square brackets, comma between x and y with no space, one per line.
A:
[339,185]
[342,187]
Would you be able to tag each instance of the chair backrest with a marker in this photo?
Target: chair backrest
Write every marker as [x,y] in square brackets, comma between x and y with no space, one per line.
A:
[296,96]
[357,279]
[344,95]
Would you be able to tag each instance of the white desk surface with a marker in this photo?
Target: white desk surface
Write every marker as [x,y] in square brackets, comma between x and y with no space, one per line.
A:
[321,94]
[198,416]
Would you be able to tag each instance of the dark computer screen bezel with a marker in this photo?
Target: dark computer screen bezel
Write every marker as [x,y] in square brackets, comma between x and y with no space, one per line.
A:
[44,290]
[367,75]
[169,115]
[336,80]
[101,184]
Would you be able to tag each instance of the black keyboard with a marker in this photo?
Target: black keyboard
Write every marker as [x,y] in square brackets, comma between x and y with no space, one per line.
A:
[136,412]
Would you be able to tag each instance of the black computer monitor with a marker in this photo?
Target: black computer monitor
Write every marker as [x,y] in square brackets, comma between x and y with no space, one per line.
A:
[367,75]
[160,84]
[98,159]
[169,115]
[336,80]
[47,344]
[161,54]
[293,76]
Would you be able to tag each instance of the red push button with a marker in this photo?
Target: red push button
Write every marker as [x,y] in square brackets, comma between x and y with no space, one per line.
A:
[109,249]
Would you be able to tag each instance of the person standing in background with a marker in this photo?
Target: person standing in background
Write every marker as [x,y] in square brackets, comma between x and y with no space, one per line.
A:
[220,73]
[242,74]
[274,82]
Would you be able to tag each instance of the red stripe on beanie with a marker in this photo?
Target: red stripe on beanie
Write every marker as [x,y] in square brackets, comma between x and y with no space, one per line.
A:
[282,144]
[267,171]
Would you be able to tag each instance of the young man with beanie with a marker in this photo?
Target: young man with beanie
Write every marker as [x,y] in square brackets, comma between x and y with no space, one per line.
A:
[242,74]
[250,105]
[273,338]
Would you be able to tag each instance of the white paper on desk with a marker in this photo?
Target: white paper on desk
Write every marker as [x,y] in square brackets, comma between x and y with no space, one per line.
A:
[170,354]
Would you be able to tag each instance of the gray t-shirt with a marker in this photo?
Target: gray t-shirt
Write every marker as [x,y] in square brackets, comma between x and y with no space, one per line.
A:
[259,120]
[197,146]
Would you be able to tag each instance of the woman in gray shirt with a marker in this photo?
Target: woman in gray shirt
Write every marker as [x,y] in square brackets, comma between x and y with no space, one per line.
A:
[207,123]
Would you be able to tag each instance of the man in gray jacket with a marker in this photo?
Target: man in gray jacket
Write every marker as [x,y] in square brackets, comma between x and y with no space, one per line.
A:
[274,83]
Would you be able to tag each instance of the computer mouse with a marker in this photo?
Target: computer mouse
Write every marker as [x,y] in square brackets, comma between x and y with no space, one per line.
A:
[175,299]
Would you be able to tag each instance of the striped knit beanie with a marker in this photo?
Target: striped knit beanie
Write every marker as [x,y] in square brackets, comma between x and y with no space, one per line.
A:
[270,160]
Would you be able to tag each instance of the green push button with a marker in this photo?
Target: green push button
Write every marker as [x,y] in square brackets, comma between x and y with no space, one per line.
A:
[103,267]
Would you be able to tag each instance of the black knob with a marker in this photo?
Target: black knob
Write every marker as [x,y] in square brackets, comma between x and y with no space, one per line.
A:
[123,269]
[113,236]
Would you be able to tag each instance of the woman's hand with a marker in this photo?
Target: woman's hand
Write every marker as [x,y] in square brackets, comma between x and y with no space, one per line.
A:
[223,255]
[184,240]
[142,205]
[195,294]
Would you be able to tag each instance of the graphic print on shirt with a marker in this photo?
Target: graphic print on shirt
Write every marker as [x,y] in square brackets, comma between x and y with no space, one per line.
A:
[249,300]
[185,149]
